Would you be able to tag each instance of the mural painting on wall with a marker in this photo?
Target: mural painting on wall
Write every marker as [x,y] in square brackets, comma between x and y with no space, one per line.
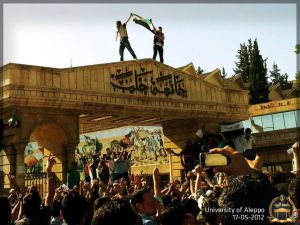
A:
[144,144]
[33,158]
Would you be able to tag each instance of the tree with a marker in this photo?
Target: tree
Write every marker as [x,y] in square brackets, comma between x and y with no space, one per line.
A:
[275,74]
[259,92]
[284,83]
[200,70]
[297,49]
[277,77]
[242,66]
[223,73]
[297,52]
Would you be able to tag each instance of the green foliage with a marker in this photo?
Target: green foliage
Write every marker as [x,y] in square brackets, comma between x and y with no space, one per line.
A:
[200,70]
[297,52]
[243,64]
[277,77]
[223,73]
[298,76]
[297,48]
[274,74]
[253,70]
[259,91]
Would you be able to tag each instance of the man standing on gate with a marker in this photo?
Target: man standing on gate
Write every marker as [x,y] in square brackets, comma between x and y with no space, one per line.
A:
[124,43]
[158,44]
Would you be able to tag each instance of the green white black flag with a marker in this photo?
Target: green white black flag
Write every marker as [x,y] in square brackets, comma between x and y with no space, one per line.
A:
[147,23]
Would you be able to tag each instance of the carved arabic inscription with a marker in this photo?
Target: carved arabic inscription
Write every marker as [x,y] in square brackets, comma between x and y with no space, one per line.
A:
[144,82]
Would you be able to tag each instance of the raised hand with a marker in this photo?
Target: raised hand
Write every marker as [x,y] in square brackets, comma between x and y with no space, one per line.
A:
[12,179]
[50,162]
[256,164]
[238,165]
[156,174]
[198,169]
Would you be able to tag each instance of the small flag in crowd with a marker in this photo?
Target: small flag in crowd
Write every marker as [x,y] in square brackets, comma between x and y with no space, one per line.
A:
[147,23]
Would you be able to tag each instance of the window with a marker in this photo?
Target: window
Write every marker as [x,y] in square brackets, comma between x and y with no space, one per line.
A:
[267,123]
[289,119]
[247,124]
[256,124]
[278,121]
[298,118]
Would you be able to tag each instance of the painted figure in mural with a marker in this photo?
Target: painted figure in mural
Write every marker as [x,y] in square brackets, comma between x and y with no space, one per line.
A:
[160,147]
[92,146]
[152,148]
[142,148]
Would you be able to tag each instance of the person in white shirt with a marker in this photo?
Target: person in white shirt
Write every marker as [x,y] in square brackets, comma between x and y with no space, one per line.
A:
[124,43]
[245,141]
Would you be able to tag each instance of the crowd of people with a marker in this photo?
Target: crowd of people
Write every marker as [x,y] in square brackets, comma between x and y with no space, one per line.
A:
[203,197]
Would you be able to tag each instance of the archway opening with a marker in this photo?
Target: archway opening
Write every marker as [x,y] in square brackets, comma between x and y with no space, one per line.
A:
[45,138]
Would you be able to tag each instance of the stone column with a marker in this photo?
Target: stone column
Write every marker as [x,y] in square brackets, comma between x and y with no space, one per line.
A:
[19,149]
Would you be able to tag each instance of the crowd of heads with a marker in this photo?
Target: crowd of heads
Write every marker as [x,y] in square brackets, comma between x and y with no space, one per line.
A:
[202,196]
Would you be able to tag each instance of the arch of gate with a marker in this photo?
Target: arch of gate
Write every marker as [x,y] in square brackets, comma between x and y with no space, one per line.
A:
[137,92]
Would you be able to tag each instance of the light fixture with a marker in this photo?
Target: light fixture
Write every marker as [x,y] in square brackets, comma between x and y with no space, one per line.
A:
[147,120]
[102,118]
[83,115]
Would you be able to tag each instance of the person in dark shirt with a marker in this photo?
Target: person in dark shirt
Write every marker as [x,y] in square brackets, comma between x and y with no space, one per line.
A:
[73,176]
[158,44]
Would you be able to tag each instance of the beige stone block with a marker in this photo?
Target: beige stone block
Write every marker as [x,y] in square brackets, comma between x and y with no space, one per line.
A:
[79,79]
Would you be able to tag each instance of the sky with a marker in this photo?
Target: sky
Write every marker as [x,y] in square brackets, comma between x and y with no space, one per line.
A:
[208,35]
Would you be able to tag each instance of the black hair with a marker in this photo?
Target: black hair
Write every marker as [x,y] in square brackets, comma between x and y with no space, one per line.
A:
[166,199]
[31,204]
[247,130]
[174,214]
[210,216]
[56,207]
[74,208]
[246,191]
[100,201]
[118,23]
[74,163]
[277,177]
[191,206]
[115,212]
[5,210]
[138,197]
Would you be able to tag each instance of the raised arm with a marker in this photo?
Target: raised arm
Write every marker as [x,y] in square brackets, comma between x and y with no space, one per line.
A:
[191,178]
[198,182]
[50,177]
[206,178]
[156,182]
[238,165]
[16,210]
[128,18]
[13,183]
[296,157]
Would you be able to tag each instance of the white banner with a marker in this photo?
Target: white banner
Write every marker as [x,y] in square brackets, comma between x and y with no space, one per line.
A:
[231,127]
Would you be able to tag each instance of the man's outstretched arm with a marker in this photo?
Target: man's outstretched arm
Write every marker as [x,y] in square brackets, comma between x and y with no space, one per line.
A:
[128,18]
